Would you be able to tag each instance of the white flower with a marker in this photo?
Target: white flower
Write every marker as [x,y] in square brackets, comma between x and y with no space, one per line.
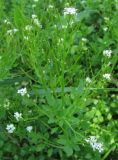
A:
[105,29]
[12,31]
[22,91]
[55,26]
[28,95]
[84,39]
[107,53]
[88,80]
[10,128]
[30,111]
[6,104]
[95,102]
[6,21]
[26,37]
[92,140]
[16,83]
[28,28]
[34,16]
[18,116]
[107,76]
[15,30]
[9,32]
[64,26]
[50,6]
[36,21]
[106,19]
[60,40]
[70,10]
[29,128]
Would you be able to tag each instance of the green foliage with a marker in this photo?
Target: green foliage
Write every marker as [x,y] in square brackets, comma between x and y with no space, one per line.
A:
[55,70]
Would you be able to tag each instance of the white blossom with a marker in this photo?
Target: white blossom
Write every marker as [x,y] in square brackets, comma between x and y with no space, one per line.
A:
[6,104]
[28,28]
[15,30]
[106,19]
[12,31]
[22,91]
[84,39]
[92,140]
[6,21]
[26,37]
[34,16]
[29,128]
[95,101]
[16,83]
[64,26]
[10,128]
[107,53]
[88,80]
[18,116]
[70,10]
[50,6]
[30,111]
[60,40]
[36,21]
[107,76]
[9,32]
[105,29]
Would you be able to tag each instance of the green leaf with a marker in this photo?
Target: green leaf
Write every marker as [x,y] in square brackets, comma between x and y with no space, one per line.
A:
[68,150]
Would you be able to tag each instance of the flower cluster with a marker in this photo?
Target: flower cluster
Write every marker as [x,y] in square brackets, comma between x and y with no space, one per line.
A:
[36,21]
[6,104]
[92,140]
[6,22]
[50,6]
[106,19]
[107,76]
[12,31]
[107,53]
[10,128]
[105,29]
[70,10]
[88,80]
[28,27]
[29,128]
[26,38]
[84,39]
[22,91]
[18,116]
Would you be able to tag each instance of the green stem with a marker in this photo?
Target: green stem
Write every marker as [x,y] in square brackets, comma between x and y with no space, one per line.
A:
[108,152]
